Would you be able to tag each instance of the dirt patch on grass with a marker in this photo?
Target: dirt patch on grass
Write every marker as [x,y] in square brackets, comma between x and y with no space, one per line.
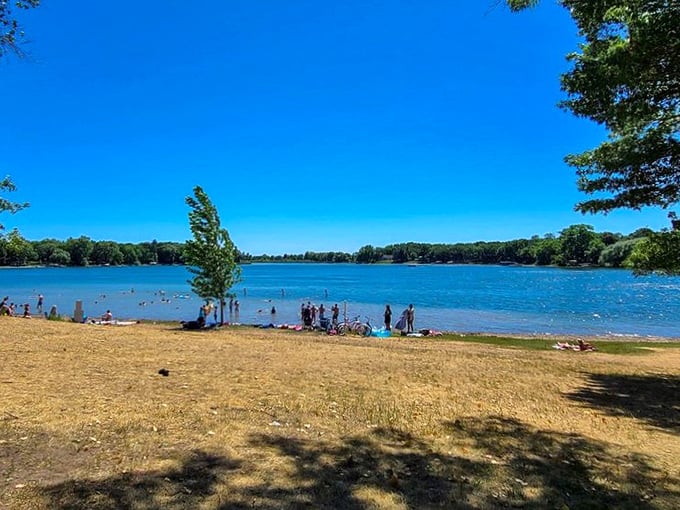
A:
[276,419]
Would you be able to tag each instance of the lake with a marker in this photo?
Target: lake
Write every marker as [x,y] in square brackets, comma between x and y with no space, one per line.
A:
[466,298]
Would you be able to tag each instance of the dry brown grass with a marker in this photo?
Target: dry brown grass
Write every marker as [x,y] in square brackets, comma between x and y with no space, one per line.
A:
[252,418]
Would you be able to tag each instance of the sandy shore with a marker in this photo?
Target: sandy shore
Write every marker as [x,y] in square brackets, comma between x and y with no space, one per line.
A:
[542,336]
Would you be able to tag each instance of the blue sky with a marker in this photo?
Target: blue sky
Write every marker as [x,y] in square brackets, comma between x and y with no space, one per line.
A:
[321,126]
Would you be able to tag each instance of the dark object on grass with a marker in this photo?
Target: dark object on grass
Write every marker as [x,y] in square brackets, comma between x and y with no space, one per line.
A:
[164,372]
[192,324]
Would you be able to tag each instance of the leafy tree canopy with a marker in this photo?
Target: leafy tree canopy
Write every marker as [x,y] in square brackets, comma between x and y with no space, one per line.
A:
[10,29]
[80,250]
[6,185]
[17,251]
[626,76]
[580,244]
[658,253]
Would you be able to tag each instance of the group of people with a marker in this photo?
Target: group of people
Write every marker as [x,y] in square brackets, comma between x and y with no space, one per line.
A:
[309,314]
[10,309]
[210,308]
[405,322]
[204,312]
[234,305]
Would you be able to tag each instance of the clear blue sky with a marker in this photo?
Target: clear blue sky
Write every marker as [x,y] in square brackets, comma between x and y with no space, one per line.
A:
[312,125]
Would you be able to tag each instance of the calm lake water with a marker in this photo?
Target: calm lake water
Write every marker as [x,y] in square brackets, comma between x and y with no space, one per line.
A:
[493,299]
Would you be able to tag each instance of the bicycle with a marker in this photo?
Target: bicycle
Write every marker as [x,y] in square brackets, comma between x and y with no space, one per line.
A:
[356,326]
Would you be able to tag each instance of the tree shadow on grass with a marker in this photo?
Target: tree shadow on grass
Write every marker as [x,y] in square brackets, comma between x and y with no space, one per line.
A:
[654,399]
[544,469]
[173,489]
[505,464]
[493,462]
[386,468]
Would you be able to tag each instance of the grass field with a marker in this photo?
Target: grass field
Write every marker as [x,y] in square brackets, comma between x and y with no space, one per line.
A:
[269,419]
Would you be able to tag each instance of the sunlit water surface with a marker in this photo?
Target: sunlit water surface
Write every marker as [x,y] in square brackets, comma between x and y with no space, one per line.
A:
[493,299]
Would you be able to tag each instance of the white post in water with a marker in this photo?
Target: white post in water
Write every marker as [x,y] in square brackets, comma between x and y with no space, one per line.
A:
[78,312]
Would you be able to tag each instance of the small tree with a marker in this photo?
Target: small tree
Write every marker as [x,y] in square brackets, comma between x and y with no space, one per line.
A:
[211,255]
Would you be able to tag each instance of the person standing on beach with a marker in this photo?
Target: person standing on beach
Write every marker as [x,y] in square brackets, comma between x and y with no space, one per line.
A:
[39,306]
[201,316]
[336,312]
[388,318]
[410,317]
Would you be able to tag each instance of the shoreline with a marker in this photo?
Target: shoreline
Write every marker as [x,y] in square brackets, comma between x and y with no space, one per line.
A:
[557,337]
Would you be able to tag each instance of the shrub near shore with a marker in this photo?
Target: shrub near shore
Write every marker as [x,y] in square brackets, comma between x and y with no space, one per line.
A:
[277,419]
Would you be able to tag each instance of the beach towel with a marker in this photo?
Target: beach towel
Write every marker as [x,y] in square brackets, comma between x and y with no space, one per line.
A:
[401,323]
[113,323]
[381,333]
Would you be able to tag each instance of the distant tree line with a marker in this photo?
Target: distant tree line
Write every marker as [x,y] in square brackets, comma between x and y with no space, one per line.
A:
[83,251]
[575,245]
[309,256]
